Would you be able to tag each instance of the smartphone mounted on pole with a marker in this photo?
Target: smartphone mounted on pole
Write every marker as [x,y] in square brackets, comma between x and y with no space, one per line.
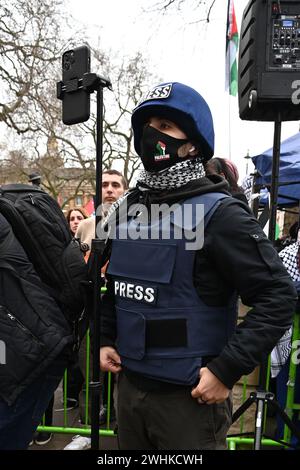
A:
[75,98]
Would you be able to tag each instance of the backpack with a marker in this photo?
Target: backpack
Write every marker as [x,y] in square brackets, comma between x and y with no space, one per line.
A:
[41,228]
[33,330]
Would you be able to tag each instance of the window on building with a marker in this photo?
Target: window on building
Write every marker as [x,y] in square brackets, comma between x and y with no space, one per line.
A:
[78,200]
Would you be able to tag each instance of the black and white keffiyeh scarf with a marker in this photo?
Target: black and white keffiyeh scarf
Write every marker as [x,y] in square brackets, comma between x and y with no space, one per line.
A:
[174,177]
[171,178]
[289,257]
[282,350]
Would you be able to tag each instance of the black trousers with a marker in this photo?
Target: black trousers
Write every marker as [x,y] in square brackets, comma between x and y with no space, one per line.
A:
[161,420]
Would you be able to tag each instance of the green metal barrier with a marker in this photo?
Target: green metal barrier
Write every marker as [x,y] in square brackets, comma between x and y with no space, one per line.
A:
[69,430]
[291,406]
[233,442]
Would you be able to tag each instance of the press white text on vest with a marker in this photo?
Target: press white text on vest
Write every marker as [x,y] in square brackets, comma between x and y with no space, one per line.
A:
[136,292]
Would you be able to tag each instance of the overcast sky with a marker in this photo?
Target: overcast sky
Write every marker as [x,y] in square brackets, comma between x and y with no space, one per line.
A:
[181,49]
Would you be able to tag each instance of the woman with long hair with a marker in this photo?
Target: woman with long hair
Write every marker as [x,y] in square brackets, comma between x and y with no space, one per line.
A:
[74,217]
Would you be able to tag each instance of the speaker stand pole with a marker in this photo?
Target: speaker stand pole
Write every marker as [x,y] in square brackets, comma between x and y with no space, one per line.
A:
[262,396]
[275,178]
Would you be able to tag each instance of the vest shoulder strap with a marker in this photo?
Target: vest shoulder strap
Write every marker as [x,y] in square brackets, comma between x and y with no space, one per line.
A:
[210,203]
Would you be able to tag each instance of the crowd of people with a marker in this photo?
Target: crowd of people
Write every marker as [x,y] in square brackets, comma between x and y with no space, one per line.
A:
[169,332]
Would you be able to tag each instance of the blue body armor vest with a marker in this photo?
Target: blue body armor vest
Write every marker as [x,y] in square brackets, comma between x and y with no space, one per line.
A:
[163,326]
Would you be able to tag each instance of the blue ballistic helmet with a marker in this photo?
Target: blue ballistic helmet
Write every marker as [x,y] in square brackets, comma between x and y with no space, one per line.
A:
[182,105]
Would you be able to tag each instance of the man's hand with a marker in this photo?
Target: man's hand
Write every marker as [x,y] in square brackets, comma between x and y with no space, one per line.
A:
[210,390]
[110,360]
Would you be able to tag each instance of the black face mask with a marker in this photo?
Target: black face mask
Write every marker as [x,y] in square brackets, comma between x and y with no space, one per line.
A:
[160,151]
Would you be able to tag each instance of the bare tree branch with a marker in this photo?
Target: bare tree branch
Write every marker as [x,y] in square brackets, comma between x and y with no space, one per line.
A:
[30,62]
[203,7]
[30,34]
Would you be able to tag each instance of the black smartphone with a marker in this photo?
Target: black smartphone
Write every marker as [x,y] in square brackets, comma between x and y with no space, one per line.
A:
[75,104]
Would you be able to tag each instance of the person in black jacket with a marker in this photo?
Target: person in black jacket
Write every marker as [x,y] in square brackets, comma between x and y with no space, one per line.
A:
[169,316]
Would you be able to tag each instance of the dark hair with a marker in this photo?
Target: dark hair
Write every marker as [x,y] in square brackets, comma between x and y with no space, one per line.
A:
[218,166]
[79,209]
[116,172]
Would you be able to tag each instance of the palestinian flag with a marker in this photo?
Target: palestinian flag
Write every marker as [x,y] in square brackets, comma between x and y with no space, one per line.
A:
[232,41]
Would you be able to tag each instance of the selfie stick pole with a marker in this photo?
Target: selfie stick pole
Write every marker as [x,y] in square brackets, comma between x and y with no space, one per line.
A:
[92,82]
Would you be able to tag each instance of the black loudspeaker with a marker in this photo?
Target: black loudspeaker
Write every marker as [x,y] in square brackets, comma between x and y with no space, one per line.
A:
[269,61]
